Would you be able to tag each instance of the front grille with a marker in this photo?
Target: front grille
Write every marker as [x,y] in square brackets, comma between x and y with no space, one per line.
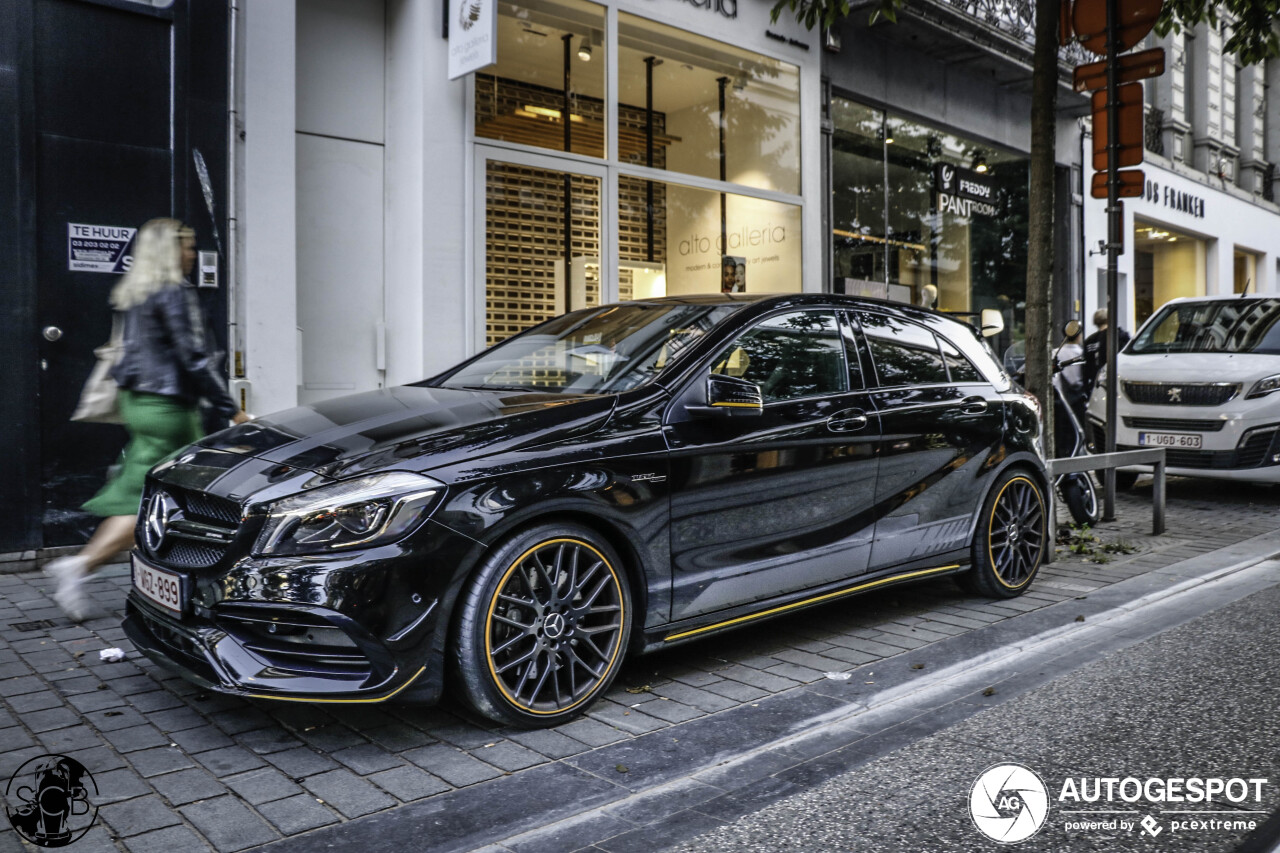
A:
[1180,393]
[187,555]
[1174,424]
[199,533]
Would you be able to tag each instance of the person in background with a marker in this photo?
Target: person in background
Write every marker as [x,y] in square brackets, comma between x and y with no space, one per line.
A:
[163,373]
[1095,350]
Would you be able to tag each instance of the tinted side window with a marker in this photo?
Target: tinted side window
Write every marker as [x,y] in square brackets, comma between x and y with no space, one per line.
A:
[904,353]
[961,369]
[789,356]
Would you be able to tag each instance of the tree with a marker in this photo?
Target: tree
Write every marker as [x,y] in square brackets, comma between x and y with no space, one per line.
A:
[1253,38]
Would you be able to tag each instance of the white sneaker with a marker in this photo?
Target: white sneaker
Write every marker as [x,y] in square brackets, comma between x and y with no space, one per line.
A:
[71,574]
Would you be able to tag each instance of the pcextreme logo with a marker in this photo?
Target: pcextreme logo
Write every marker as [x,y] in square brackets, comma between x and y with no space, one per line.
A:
[1010,803]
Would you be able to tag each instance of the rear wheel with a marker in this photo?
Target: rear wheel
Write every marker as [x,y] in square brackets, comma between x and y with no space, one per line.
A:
[1009,544]
[543,626]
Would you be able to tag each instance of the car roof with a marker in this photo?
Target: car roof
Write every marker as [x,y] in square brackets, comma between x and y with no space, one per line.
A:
[780,299]
[1225,297]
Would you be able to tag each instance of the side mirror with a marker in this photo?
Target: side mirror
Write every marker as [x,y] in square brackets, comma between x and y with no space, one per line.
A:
[1071,328]
[729,396]
[992,322]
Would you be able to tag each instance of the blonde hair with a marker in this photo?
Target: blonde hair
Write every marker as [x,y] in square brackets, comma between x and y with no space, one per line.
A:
[157,263]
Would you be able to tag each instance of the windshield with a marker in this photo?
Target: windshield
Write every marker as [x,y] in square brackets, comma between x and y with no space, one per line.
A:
[594,351]
[1223,325]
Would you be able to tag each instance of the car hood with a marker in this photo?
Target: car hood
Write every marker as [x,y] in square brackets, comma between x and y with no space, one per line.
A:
[1244,368]
[411,428]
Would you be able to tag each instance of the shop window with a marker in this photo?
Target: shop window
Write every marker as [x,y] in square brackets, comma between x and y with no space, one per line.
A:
[790,356]
[672,239]
[706,108]
[542,246]
[1167,264]
[1246,272]
[897,234]
[904,353]
[551,64]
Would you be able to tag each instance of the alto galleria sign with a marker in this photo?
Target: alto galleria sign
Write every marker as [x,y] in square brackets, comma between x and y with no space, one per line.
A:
[964,192]
[1173,199]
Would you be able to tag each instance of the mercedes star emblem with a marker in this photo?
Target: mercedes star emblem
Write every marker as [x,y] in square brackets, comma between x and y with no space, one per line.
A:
[160,509]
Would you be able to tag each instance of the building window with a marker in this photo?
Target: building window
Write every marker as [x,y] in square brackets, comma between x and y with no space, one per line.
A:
[924,215]
[1166,264]
[705,153]
[708,108]
[551,63]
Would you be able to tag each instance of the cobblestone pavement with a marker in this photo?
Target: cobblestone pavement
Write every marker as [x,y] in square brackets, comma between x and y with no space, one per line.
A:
[181,769]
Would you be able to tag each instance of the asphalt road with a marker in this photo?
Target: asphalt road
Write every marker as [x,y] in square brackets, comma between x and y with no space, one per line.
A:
[1197,701]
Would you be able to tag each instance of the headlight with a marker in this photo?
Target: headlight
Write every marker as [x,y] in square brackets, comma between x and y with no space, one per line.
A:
[1263,387]
[365,511]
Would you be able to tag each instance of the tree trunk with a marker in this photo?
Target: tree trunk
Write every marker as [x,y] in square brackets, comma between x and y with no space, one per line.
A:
[1044,97]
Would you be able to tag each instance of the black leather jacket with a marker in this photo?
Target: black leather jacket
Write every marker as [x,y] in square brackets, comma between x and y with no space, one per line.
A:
[166,351]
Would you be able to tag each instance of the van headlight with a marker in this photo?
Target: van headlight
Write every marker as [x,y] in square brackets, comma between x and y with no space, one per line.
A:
[366,511]
[1263,387]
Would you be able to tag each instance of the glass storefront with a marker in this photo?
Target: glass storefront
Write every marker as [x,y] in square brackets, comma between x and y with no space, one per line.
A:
[705,153]
[924,215]
[1166,264]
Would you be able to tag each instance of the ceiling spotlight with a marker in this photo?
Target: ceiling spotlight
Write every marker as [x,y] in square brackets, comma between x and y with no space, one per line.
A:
[584,50]
[980,164]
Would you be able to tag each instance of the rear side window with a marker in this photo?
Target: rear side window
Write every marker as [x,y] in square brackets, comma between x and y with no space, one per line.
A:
[904,353]
[960,368]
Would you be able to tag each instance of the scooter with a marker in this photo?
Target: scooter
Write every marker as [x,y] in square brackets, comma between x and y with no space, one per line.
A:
[1077,490]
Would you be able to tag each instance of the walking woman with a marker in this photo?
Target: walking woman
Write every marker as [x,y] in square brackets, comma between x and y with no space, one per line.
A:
[165,370]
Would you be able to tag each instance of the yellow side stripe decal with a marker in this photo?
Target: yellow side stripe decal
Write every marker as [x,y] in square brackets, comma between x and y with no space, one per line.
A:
[340,701]
[793,605]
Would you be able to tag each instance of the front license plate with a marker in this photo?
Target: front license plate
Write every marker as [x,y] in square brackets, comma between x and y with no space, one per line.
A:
[1189,441]
[164,588]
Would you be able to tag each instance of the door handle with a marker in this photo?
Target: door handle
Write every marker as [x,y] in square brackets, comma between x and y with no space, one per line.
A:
[848,420]
[974,406]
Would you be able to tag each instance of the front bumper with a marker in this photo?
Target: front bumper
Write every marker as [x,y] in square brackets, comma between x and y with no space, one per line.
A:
[1235,451]
[356,627]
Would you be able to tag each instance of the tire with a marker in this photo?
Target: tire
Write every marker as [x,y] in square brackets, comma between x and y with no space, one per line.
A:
[543,626]
[1010,540]
[1081,497]
[1125,480]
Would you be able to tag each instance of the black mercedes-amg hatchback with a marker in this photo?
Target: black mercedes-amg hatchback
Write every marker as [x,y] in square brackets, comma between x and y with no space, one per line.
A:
[613,481]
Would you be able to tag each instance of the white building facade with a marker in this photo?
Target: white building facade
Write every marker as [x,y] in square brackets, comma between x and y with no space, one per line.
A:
[1207,222]
[390,221]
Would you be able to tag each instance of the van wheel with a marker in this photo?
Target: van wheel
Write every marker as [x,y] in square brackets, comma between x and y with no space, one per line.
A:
[543,626]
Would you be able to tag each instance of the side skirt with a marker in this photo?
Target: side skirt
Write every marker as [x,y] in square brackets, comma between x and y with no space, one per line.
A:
[706,625]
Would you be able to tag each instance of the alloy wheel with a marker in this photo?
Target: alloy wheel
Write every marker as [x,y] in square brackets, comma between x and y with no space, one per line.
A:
[554,626]
[1016,536]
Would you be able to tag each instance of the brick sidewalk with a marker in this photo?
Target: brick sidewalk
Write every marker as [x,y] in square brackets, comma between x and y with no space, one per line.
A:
[179,769]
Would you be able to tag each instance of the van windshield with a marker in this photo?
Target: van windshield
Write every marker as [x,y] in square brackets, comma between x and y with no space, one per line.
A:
[1223,325]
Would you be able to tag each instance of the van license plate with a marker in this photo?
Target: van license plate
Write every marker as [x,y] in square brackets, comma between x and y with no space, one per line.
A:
[1180,440]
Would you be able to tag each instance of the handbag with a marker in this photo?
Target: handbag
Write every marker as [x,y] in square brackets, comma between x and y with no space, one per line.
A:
[99,403]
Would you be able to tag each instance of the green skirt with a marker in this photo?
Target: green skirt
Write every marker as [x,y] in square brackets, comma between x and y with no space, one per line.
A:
[159,427]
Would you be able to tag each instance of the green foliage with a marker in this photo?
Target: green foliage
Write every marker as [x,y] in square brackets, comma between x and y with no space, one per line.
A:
[1251,38]
[810,13]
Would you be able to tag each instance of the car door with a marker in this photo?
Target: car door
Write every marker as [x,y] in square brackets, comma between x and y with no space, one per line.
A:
[941,421]
[781,501]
